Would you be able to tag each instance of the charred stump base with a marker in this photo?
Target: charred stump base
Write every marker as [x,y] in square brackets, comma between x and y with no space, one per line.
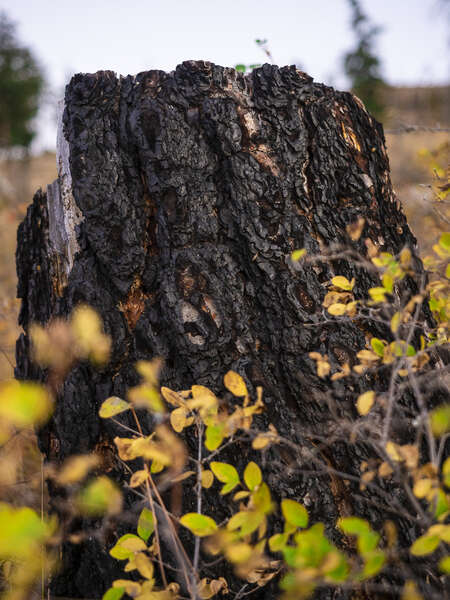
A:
[179,200]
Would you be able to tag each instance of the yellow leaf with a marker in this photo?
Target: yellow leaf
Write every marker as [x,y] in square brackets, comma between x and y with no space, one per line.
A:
[144,565]
[354,229]
[385,469]
[182,476]
[235,384]
[131,587]
[368,356]
[200,525]
[395,322]
[298,254]
[337,309]
[24,404]
[365,402]
[252,475]
[207,478]
[76,468]
[150,370]
[260,442]
[146,396]
[343,283]
[113,406]
[173,398]
[392,452]
[410,592]
[178,419]
[138,478]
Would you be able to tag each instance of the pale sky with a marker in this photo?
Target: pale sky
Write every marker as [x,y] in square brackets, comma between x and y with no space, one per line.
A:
[128,36]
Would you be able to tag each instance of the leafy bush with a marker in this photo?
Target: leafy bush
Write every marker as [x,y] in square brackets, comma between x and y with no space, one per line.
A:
[297,552]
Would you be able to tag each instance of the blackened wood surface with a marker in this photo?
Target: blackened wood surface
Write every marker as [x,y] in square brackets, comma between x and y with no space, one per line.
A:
[191,189]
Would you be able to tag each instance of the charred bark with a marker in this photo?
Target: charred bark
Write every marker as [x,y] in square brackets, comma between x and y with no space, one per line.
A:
[179,200]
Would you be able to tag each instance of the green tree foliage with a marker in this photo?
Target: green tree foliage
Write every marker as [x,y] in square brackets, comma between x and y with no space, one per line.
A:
[362,65]
[21,85]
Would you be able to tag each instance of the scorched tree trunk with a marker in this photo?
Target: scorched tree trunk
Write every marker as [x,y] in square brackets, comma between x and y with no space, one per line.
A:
[179,200]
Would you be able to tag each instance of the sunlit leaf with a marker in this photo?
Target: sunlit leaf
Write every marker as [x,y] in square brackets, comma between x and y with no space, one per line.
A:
[252,475]
[24,404]
[373,563]
[425,544]
[410,592]
[377,346]
[113,406]
[178,419]
[440,420]
[353,525]
[114,594]
[227,474]
[235,384]
[337,309]
[138,478]
[144,565]
[76,468]
[131,587]
[294,512]
[207,478]
[298,254]
[343,283]
[199,525]
[365,402]
[99,497]
[146,525]
[444,565]
[214,436]
[260,442]
[126,546]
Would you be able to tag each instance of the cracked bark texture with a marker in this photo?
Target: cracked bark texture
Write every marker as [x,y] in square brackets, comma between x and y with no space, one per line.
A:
[186,193]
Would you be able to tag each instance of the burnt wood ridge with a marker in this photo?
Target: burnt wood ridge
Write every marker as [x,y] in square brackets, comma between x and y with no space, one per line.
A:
[179,200]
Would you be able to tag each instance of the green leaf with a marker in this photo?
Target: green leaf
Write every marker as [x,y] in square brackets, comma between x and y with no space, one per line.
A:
[22,532]
[444,564]
[377,346]
[373,563]
[146,525]
[24,404]
[113,406]
[214,436]
[227,474]
[440,503]
[114,594]
[353,525]
[367,541]
[388,282]
[261,499]
[278,541]
[440,420]
[252,475]
[123,552]
[199,525]
[446,472]
[99,497]
[426,544]
[294,513]
[444,241]
[241,68]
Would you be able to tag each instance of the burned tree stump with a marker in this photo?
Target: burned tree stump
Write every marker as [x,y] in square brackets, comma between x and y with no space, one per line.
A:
[179,200]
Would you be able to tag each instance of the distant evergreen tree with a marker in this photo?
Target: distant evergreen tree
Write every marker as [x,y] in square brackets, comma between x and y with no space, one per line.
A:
[21,85]
[362,65]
